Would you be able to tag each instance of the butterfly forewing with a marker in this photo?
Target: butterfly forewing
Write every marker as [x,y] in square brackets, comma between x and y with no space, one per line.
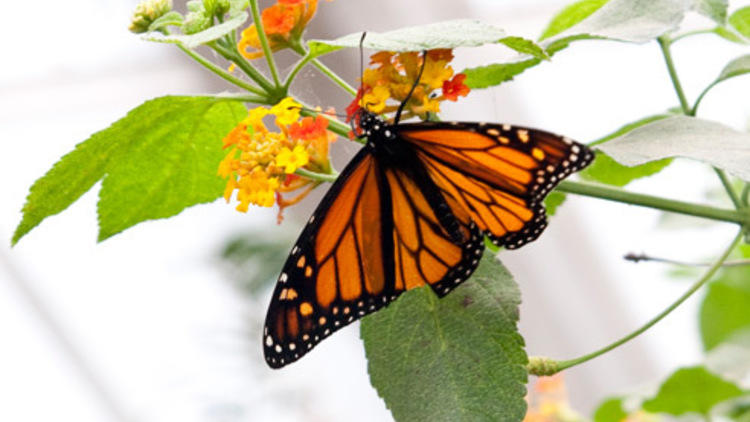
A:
[498,174]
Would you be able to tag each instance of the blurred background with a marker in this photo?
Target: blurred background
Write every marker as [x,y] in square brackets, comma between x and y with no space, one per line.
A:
[154,325]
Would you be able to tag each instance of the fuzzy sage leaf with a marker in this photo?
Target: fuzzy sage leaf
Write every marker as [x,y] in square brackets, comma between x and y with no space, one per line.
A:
[456,358]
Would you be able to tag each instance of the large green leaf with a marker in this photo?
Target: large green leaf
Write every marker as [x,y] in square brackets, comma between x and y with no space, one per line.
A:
[692,389]
[571,15]
[724,310]
[682,136]
[606,170]
[459,358]
[622,20]
[159,159]
[737,67]
[447,34]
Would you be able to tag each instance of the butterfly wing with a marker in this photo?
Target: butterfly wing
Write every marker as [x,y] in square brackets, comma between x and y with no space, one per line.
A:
[373,236]
[499,174]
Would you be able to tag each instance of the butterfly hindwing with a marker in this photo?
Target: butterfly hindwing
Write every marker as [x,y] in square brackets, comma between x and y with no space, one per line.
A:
[499,174]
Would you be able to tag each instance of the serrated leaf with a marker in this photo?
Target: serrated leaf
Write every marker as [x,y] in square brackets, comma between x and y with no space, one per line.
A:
[715,10]
[624,20]
[524,46]
[688,137]
[610,410]
[199,38]
[459,358]
[159,159]
[606,170]
[692,389]
[554,200]
[570,16]
[446,34]
[740,20]
[495,74]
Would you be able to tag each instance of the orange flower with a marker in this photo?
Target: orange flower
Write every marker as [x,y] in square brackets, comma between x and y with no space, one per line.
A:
[277,20]
[455,87]
[308,128]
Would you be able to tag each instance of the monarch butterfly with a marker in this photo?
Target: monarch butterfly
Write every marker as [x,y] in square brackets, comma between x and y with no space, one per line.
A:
[412,208]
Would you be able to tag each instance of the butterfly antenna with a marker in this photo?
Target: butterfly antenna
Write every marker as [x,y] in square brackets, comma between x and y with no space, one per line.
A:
[362,61]
[413,87]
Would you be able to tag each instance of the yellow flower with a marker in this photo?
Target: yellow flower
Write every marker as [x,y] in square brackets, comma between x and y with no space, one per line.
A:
[435,73]
[291,160]
[255,117]
[375,99]
[286,111]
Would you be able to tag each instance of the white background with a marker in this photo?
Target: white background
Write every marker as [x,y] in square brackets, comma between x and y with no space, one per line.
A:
[145,326]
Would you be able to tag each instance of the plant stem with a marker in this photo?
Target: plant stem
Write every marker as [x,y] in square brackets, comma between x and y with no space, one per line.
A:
[235,57]
[299,49]
[691,33]
[561,365]
[729,188]
[665,44]
[621,195]
[221,72]
[745,194]
[321,177]
[300,64]
[245,98]
[264,42]
[694,110]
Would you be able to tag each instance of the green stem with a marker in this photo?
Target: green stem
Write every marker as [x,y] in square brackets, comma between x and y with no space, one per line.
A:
[745,194]
[264,42]
[334,125]
[334,77]
[320,177]
[299,49]
[220,72]
[729,188]
[665,44]
[691,33]
[621,195]
[235,57]
[300,64]
[694,110]
[561,365]
[245,98]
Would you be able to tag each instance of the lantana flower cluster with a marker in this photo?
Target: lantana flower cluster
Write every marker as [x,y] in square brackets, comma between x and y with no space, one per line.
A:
[261,163]
[387,85]
[283,24]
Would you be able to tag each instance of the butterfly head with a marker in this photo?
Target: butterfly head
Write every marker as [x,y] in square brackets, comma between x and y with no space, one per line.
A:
[367,124]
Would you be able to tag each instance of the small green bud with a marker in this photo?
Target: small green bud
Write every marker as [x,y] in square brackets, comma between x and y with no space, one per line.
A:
[196,22]
[146,12]
[210,7]
[222,7]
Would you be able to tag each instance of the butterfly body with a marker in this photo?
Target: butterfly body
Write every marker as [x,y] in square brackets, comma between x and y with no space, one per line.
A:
[412,208]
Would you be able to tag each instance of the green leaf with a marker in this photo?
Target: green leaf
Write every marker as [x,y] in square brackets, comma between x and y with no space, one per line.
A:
[724,309]
[554,200]
[731,34]
[624,20]
[495,74]
[606,170]
[736,67]
[715,10]
[199,38]
[688,137]
[459,358]
[524,46]
[740,20]
[159,159]
[610,411]
[570,16]
[692,389]
[446,34]
[731,358]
